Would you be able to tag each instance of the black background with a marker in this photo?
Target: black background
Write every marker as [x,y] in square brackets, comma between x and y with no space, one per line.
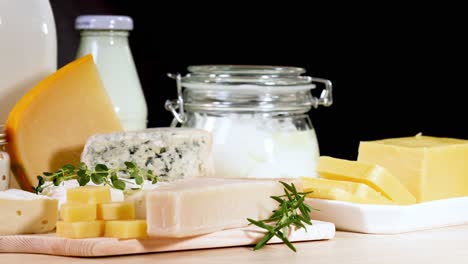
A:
[397,70]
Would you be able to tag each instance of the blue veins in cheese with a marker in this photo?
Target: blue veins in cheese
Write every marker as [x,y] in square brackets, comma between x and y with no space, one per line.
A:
[171,153]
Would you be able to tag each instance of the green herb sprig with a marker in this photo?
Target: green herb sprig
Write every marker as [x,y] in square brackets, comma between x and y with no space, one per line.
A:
[101,174]
[292,212]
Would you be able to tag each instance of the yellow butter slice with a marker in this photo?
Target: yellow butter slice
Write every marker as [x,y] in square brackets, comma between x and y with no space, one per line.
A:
[377,177]
[342,191]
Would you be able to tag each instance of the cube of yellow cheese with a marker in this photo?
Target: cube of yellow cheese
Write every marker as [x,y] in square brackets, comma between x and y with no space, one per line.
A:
[343,191]
[75,212]
[89,194]
[116,211]
[126,229]
[84,229]
[375,176]
[431,168]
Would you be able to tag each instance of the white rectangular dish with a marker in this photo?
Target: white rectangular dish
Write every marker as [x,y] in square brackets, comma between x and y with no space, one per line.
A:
[390,219]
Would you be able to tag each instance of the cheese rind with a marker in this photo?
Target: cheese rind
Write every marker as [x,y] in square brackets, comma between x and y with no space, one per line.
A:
[26,213]
[171,153]
[342,191]
[89,194]
[50,124]
[377,177]
[126,229]
[204,205]
[116,211]
[431,168]
[77,212]
[85,229]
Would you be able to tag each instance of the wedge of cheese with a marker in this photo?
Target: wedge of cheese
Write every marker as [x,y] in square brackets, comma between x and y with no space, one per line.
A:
[171,153]
[431,168]
[342,191]
[204,205]
[50,124]
[377,177]
[26,213]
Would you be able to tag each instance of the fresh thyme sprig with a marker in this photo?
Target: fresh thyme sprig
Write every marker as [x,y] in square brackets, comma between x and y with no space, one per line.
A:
[101,174]
[292,212]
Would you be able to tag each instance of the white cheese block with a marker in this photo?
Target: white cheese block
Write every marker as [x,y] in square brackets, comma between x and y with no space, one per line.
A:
[171,153]
[25,213]
[204,205]
[139,198]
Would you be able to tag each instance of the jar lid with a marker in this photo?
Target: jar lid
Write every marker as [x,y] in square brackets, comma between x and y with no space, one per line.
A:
[257,78]
[252,88]
[99,22]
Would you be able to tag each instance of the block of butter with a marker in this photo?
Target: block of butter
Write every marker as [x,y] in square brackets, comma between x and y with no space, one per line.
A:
[342,191]
[377,177]
[431,168]
[203,205]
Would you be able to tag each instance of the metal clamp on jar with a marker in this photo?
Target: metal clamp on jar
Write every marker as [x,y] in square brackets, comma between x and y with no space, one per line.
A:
[4,162]
[257,116]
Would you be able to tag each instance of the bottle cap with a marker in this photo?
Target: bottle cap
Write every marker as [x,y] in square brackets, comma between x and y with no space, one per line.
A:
[98,22]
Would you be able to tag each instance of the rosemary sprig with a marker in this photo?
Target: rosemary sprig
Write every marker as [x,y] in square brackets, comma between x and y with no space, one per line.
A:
[101,174]
[292,212]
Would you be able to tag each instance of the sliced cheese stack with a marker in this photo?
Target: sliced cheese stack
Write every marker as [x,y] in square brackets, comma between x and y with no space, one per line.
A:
[50,124]
[170,153]
[25,213]
[358,182]
[342,191]
[430,167]
[376,177]
[89,212]
[204,205]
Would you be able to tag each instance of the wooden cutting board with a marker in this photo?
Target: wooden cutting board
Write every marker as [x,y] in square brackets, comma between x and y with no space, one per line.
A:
[92,247]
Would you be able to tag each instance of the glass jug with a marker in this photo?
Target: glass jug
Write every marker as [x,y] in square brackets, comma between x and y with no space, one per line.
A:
[257,116]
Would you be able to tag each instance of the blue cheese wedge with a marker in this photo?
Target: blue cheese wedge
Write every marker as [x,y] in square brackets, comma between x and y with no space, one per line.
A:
[171,153]
[26,213]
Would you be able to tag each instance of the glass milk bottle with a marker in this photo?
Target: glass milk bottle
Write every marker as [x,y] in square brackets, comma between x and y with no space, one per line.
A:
[106,38]
[28,48]
[257,116]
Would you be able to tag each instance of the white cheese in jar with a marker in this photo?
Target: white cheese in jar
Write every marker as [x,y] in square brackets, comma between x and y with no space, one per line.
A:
[257,116]
[251,146]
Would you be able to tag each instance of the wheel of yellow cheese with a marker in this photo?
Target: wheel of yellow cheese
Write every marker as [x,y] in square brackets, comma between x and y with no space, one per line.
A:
[50,124]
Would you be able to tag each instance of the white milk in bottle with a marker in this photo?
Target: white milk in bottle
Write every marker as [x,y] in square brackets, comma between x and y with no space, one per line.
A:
[106,38]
